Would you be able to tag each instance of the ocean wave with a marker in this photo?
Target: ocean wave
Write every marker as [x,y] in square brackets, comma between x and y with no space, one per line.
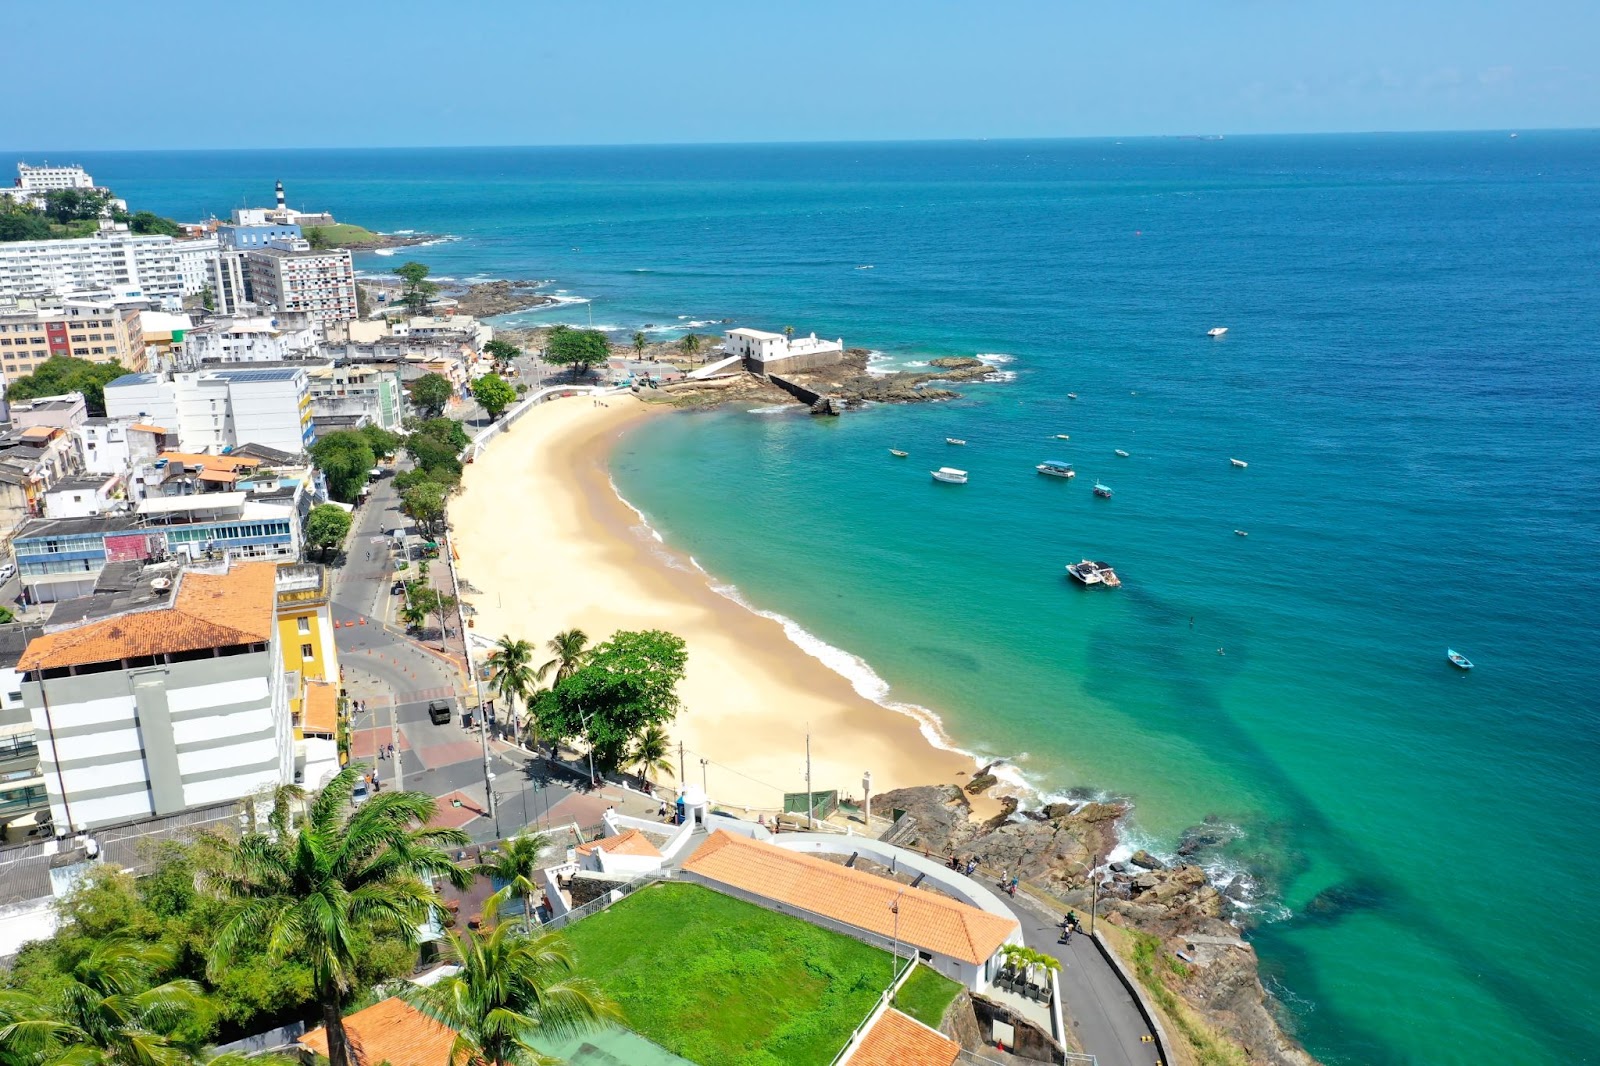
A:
[776,409]
[995,358]
[1000,376]
[446,239]
[403,232]
[917,362]
[384,251]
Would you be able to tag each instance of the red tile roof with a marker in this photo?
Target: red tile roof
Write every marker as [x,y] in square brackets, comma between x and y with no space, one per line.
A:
[391,1031]
[898,1040]
[927,920]
[627,842]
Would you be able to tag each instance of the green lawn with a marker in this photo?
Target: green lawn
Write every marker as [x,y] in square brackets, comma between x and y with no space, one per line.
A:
[725,983]
[344,233]
[926,995]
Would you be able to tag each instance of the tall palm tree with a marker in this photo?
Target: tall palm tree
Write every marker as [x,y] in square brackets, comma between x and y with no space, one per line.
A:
[338,877]
[515,864]
[569,648]
[511,675]
[106,1014]
[510,986]
[651,750]
[639,342]
[690,344]
[788,332]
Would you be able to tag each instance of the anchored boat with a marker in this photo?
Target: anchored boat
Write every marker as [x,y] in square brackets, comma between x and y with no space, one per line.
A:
[1458,660]
[1121,454]
[954,440]
[1056,468]
[1101,491]
[1240,463]
[950,475]
[897,453]
[1093,573]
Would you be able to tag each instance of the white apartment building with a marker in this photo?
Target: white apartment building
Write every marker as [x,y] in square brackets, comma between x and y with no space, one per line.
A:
[770,352]
[112,259]
[47,177]
[195,257]
[255,339]
[214,410]
[228,287]
[424,327]
[374,391]
[167,695]
[123,447]
[290,276]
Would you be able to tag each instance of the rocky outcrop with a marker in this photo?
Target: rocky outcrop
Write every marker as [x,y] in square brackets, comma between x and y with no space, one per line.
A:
[497,297]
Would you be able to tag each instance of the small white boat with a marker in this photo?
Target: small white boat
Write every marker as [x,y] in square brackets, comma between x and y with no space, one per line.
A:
[1062,436]
[1122,453]
[1072,396]
[897,453]
[1240,533]
[950,475]
[1092,573]
[1216,331]
[1461,662]
[1056,468]
[1240,463]
[954,440]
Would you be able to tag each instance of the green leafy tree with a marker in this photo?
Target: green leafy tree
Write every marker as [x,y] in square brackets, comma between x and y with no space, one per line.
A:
[208,299]
[346,460]
[65,373]
[511,673]
[380,440]
[510,987]
[515,864]
[75,205]
[425,504]
[150,222]
[316,236]
[421,599]
[443,604]
[690,344]
[569,647]
[417,290]
[435,446]
[326,527]
[639,342]
[19,222]
[430,393]
[493,394]
[578,348]
[788,332]
[318,891]
[651,751]
[624,685]
[502,353]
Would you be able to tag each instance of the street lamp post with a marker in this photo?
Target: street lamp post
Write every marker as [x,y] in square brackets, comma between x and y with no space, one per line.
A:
[894,955]
[866,788]
[1094,889]
[704,787]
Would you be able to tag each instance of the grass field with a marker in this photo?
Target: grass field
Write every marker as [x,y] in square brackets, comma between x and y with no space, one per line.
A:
[343,233]
[926,995]
[725,983]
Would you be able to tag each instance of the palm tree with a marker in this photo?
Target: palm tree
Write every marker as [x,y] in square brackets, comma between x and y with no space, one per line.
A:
[788,332]
[318,891]
[515,863]
[638,342]
[106,1013]
[568,647]
[650,752]
[511,674]
[690,344]
[510,986]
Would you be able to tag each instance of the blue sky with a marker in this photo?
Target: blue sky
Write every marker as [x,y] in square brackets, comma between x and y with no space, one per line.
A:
[316,73]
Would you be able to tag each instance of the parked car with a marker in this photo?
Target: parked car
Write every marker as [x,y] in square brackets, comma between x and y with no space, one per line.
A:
[361,793]
[7,570]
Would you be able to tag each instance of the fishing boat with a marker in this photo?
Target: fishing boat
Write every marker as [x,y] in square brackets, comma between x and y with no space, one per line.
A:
[1072,396]
[1240,463]
[950,475]
[1240,533]
[1216,331]
[897,453]
[1056,468]
[1458,660]
[1093,573]
[1101,491]
[954,440]
[1062,436]
[1121,453]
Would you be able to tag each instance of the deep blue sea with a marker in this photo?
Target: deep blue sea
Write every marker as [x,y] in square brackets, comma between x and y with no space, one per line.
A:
[1409,370]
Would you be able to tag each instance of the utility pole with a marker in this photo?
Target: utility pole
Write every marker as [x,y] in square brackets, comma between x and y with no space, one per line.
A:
[473,680]
[681,766]
[810,807]
[866,788]
[704,787]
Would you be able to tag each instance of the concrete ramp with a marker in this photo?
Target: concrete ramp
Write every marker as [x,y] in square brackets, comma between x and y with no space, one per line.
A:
[713,368]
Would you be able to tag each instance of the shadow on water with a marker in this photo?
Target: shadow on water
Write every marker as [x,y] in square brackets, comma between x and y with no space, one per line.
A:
[1315,834]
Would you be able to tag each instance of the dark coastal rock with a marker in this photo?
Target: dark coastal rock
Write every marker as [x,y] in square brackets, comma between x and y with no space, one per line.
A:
[1345,898]
[1206,835]
[497,297]
[1143,858]
[982,781]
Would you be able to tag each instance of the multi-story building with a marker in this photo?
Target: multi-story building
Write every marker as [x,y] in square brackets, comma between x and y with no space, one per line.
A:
[163,337]
[165,694]
[253,339]
[458,328]
[84,495]
[111,259]
[99,331]
[65,411]
[124,447]
[311,665]
[48,178]
[291,276]
[215,410]
[229,292]
[195,257]
[245,237]
[373,391]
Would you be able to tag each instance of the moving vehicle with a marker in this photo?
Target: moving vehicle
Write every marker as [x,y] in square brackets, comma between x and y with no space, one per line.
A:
[1121,454]
[1101,491]
[1216,331]
[954,440]
[439,712]
[950,475]
[1240,463]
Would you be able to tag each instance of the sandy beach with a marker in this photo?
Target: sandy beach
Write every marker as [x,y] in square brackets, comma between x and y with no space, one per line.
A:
[540,530]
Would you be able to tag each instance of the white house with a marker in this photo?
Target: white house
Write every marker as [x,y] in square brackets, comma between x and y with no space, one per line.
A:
[214,410]
[769,353]
[82,496]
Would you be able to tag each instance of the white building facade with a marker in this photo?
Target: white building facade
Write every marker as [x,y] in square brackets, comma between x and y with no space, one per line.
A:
[253,339]
[115,260]
[214,410]
[290,276]
[48,178]
[769,352]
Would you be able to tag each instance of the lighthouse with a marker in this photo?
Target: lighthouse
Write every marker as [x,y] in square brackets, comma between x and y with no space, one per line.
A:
[283,204]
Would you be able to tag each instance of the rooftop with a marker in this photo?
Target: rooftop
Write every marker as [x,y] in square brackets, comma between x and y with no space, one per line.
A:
[288,373]
[321,713]
[627,842]
[83,482]
[211,462]
[41,528]
[898,1040]
[133,379]
[207,610]
[756,334]
[392,1031]
[263,454]
[929,921]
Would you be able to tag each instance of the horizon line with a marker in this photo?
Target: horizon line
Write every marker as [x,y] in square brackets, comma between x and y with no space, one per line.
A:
[1222,135]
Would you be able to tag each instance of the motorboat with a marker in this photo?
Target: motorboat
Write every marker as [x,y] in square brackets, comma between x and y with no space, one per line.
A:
[1101,491]
[954,440]
[1062,436]
[1240,463]
[1056,468]
[1072,396]
[1093,573]
[897,453]
[1122,454]
[950,475]
[1240,533]
[1458,660]
[1216,331]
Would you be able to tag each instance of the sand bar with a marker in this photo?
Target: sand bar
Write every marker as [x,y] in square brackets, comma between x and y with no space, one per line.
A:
[540,530]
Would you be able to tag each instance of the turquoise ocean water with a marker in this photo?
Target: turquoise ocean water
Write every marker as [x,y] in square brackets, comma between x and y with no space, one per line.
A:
[1410,371]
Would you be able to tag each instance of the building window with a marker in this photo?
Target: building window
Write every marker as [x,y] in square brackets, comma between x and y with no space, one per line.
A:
[306,652]
[305,624]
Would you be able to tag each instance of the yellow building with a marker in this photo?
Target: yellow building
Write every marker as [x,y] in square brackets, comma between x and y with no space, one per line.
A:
[98,331]
[305,632]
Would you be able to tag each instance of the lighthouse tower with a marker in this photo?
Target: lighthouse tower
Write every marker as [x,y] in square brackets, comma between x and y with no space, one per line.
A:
[283,204]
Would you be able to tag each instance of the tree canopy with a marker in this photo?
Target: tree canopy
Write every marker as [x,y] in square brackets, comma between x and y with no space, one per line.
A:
[417,290]
[578,348]
[346,460]
[75,205]
[19,222]
[424,502]
[326,526]
[493,394]
[429,394]
[66,373]
[380,440]
[501,352]
[622,687]
[150,222]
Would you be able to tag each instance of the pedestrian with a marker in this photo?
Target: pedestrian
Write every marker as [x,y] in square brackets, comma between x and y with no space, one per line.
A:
[1013,886]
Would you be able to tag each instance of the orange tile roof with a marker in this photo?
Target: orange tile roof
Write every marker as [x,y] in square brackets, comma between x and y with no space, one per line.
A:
[929,921]
[320,712]
[208,611]
[391,1031]
[39,432]
[147,428]
[898,1040]
[627,842]
[211,462]
[227,476]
